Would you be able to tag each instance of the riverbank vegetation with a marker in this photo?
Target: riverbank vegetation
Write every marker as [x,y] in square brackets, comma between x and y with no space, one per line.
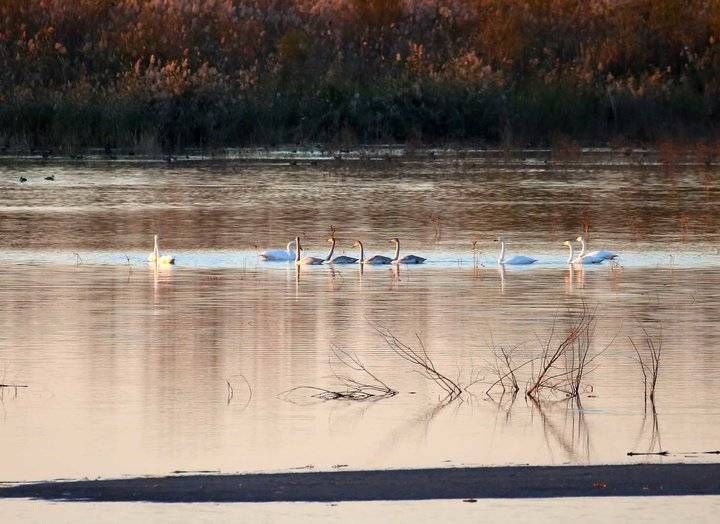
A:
[169,74]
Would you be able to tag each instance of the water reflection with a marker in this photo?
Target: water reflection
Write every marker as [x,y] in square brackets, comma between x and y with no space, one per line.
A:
[133,370]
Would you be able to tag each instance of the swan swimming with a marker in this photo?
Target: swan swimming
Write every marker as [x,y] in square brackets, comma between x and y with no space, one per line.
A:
[279,254]
[602,253]
[585,259]
[516,260]
[377,260]
[407,259]
[305,261]
[159,259]
[342,259]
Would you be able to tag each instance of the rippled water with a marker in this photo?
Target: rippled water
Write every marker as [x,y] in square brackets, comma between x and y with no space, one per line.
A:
[135,371]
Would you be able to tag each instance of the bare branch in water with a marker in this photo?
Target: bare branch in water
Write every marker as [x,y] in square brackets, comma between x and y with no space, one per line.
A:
[564,364]
[504,368]
[649,361]
[424,365]
[370,387]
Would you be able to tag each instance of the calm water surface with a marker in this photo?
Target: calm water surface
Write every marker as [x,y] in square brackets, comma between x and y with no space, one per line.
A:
[132,371]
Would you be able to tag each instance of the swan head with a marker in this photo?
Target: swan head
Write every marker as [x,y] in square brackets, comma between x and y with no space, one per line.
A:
[356,243]
[331,240]
[567,243]
[579,239]
[500,238]
[395,240]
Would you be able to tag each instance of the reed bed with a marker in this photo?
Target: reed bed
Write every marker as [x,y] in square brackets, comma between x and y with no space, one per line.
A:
[161,76]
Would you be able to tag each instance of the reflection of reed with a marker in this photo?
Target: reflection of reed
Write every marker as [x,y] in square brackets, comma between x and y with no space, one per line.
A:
[504,405]
[576,445]
[568,279]
[419,425]
[654,442]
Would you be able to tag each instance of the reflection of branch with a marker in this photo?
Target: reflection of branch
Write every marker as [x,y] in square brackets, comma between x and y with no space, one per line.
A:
[14,387]
[231,390]
[650,369]
[422,421]
[654,442]
[579,428]
[504,406]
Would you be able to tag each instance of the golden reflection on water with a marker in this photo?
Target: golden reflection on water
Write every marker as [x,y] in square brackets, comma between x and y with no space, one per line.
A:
[136,371]
[128,368]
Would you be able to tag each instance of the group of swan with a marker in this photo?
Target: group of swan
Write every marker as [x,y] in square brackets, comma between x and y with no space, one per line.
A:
[343,259]
[594,257]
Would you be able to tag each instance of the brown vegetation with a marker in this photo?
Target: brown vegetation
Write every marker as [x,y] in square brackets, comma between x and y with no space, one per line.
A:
[150,74]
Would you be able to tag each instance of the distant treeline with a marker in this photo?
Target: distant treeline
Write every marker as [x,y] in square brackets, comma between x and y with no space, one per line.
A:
[169,74]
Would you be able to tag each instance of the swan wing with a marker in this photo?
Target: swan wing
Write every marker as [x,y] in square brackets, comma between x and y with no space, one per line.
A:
[588,259]
[411,259]
[343,259]
[378,260]
[277,254]
[311,261]
[520,260]
[602,253]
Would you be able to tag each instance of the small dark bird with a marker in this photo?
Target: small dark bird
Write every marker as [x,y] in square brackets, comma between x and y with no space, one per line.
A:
[23,179]
[51,178]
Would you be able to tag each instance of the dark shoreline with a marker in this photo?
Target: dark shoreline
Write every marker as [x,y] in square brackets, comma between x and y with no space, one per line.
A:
[419,484]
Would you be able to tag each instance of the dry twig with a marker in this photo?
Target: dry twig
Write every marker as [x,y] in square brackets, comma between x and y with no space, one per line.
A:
[371,387]
[650,363]
[424,365]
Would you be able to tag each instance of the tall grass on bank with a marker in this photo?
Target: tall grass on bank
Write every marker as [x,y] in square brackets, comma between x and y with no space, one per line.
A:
[172,74]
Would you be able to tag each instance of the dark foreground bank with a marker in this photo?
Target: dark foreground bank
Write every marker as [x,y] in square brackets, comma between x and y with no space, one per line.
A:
[488,482]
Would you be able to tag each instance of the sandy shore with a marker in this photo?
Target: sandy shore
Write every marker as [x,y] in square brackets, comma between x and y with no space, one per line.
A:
[420,484]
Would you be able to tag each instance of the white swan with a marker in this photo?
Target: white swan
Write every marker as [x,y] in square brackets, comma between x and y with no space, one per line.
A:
[342,259]
[159,259]
[585,259]
[305,261]
[601,253]
[516,260]
[407,259]
[377,260]
[279,254]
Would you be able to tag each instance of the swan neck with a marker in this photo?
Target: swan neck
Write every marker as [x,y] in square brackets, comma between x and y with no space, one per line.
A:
[362,252]
[297,250]
[156,249]
[501,256]
[397,251]
[332,248]
[582,247]
[572,253]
